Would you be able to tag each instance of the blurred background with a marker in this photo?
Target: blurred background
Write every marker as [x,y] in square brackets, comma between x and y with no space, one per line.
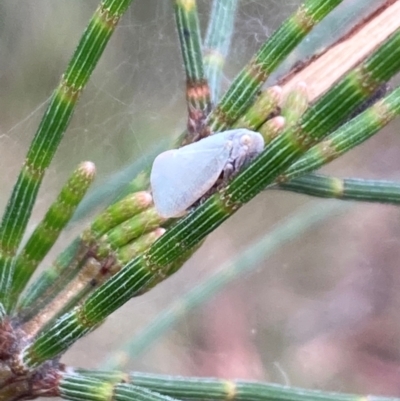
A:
[322,312]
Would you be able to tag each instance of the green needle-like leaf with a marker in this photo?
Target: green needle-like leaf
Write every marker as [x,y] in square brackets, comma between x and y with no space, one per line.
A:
[54,279]
[48,230]
[76,387]
[356,131]
[346,188]
[295,104]
[217,42]
[197,91]
[270,55]
[204,388]
[50,132]
[129,230]
[267,103]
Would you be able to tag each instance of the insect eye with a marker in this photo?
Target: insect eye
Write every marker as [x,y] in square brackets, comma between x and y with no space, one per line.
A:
[245,140]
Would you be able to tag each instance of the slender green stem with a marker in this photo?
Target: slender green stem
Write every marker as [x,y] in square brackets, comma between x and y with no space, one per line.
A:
[48,230]
[138,246]
[54,279]
[51,281]
[292,109]
[204,388]
[295,104]
[217,42]
[93,271]
[117,186]
[356,131]
[77,387]
[197,90]
[353,189]
[272,128]
[246,262]
[270,55]
[127,231]
[267,103]
[50,133]
[98,264]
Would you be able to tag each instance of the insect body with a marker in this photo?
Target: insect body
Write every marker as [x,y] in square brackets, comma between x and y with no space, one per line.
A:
[180,177]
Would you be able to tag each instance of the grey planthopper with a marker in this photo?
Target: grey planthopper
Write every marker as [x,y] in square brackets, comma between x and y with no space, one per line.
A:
[180,177]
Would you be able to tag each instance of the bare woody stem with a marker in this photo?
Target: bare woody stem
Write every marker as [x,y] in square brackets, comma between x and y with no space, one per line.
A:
[322,71]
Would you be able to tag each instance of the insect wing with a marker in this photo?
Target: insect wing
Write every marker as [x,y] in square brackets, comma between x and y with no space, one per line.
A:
[182,176]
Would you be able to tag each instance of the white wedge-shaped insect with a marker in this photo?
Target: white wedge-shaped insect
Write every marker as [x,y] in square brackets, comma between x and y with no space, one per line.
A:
[180,177]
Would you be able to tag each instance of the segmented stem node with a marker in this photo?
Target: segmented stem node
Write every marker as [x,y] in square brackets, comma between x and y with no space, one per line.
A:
[68,91]
[338,187]
[365,80]
[230,390]
[383,112]
[107,17]
[304,21]
[34,172]
[226,203]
